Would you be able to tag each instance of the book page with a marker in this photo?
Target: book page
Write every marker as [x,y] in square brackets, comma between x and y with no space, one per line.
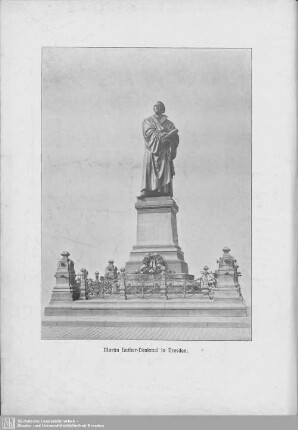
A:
[78,80]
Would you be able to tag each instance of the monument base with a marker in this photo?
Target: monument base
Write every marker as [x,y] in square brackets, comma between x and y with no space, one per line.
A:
[157,233]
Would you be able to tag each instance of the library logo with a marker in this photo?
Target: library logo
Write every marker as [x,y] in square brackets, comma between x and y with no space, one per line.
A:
[8,423]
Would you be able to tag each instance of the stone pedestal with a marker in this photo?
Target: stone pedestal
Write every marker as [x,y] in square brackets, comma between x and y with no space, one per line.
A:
[227,287]
[157,233]
[61,291]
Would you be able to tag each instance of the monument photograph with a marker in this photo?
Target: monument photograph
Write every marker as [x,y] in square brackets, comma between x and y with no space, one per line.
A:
[146,194]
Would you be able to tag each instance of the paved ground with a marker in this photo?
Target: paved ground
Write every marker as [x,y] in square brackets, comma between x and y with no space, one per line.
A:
[149,333]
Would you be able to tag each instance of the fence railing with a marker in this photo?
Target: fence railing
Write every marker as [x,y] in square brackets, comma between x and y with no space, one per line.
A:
[164,285]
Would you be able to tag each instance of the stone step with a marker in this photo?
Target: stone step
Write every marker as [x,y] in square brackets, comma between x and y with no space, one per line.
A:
[240,322]
[143,308]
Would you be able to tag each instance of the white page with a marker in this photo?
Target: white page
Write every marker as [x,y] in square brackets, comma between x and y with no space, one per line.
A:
[76,377]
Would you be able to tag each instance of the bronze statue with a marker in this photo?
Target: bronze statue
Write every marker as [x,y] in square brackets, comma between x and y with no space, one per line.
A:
[111,270]
[161,141]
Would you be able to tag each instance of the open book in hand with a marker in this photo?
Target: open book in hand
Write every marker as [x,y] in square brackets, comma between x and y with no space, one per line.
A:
[166,136]
[175,131]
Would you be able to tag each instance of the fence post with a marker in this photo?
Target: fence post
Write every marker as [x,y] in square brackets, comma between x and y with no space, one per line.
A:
[83,276]
[163,284]
[114,286]
[122,290]
[205,277]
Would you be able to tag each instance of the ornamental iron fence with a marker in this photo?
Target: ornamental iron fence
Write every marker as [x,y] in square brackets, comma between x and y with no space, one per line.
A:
[153,280]
[164,285]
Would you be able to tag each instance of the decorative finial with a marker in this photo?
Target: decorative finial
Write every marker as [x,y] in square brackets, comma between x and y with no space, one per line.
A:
[226,249]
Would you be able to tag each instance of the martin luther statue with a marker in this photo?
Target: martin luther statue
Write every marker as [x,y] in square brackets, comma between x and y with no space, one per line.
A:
[161,141]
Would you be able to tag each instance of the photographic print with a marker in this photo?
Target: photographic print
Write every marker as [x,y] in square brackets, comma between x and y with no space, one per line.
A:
[146,193]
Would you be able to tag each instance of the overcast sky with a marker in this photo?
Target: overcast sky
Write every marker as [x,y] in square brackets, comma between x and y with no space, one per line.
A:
[94,101]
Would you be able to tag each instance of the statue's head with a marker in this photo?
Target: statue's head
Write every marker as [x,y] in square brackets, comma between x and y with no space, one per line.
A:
[159,108]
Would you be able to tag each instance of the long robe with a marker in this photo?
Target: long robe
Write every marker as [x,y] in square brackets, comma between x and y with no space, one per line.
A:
[158,167]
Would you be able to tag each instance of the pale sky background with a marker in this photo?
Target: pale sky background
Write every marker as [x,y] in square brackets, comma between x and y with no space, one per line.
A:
[93,104]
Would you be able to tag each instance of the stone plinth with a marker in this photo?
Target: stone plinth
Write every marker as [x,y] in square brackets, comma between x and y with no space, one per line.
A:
[61,291]
[157,233]
[227,287]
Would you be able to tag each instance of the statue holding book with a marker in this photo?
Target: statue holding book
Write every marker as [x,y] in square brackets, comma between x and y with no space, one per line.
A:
[161,142]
